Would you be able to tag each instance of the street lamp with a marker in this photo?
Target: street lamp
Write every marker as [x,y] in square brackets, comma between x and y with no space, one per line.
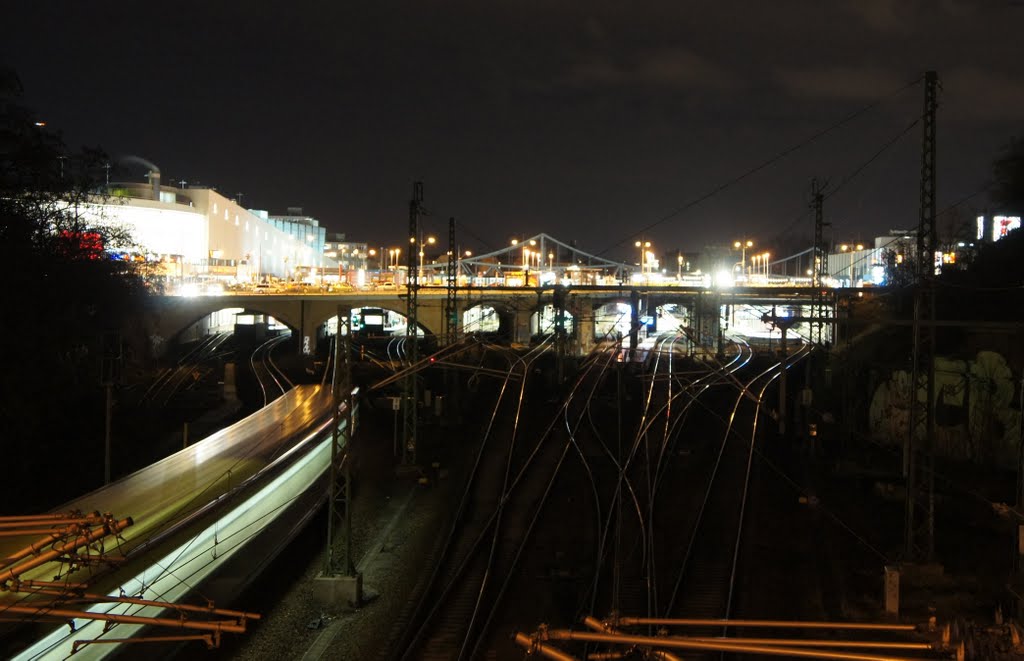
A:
[679,267]
[851,248]
[458,267]
[766,256]
[430,241]
[643,246]
[742,247]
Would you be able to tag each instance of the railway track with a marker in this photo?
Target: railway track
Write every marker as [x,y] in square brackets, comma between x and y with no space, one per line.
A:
[448,611]
[270,378]
[172,380]
[663,451]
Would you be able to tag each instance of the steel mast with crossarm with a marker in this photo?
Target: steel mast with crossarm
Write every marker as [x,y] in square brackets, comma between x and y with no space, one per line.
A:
[919,531]
[410,394]
[819,269]
[451,314]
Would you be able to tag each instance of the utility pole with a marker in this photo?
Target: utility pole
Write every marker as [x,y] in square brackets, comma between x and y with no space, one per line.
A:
[561,340]
[918,456]
[410,394]
[634,323]
[339,567]
[339,484]
[819,266]
[451,310]
[110,373]
[1018,555]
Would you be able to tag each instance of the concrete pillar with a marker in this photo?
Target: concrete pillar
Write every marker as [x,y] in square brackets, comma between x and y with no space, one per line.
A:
[708,320]
[307,331]
[338,591]
[634,322]
[522,330]
[582,311]
[892,590]
[230,387]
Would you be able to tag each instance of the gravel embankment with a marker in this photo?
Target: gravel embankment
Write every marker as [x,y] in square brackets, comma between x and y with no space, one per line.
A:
[396,521]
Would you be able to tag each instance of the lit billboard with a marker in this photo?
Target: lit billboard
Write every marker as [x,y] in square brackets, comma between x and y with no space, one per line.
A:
[1001,226]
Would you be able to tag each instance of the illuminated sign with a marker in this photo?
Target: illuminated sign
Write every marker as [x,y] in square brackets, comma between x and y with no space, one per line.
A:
[81,245]
[1003,225]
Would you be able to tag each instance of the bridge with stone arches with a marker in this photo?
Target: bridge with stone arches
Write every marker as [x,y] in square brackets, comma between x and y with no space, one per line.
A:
[706,309]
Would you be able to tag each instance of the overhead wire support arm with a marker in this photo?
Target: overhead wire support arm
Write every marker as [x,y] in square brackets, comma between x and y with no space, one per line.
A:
[410,394]
[339,497]
[919,529]
[451,318]
[819,267]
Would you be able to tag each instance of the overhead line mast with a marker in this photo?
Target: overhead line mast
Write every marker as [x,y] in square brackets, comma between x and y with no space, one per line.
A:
[410,394]
[819,267]
[451,315]
[918,457]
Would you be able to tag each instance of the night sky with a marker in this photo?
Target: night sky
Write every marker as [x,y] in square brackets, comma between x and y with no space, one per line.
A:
[593,121]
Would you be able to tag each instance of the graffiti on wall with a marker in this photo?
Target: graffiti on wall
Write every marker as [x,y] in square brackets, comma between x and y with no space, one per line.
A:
[977,416]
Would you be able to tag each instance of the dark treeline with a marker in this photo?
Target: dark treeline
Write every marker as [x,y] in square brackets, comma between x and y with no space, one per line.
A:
[60,293]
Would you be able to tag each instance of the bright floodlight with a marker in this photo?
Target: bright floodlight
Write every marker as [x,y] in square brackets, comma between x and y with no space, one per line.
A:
[724,280]
[189,290]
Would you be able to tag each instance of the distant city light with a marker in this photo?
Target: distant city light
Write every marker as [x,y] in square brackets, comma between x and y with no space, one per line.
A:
[1001,226]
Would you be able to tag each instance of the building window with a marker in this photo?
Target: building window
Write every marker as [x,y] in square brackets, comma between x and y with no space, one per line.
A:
[225,214]
[215,207]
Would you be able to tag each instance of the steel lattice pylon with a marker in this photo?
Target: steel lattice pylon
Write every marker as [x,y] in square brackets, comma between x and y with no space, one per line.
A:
[451,314]
[410,394]
[339,561]
[819,269]
[918,458]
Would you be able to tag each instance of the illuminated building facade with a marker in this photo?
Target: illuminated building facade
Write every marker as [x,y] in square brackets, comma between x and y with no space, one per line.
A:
[197,232]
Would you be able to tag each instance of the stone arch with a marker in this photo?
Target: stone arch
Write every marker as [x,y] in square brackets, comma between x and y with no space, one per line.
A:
[500,322]
[319,323]
[612,317]
[172,323]
[672,314]
[323,311]
[542,320]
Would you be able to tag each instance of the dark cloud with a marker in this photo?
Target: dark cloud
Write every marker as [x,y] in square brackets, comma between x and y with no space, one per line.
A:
[664,68]
[983,95]
[840,82]
[903,16]
[585,119]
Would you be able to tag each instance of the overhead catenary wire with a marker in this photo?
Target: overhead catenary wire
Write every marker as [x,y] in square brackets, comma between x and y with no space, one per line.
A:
[761,166]
[846,180]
